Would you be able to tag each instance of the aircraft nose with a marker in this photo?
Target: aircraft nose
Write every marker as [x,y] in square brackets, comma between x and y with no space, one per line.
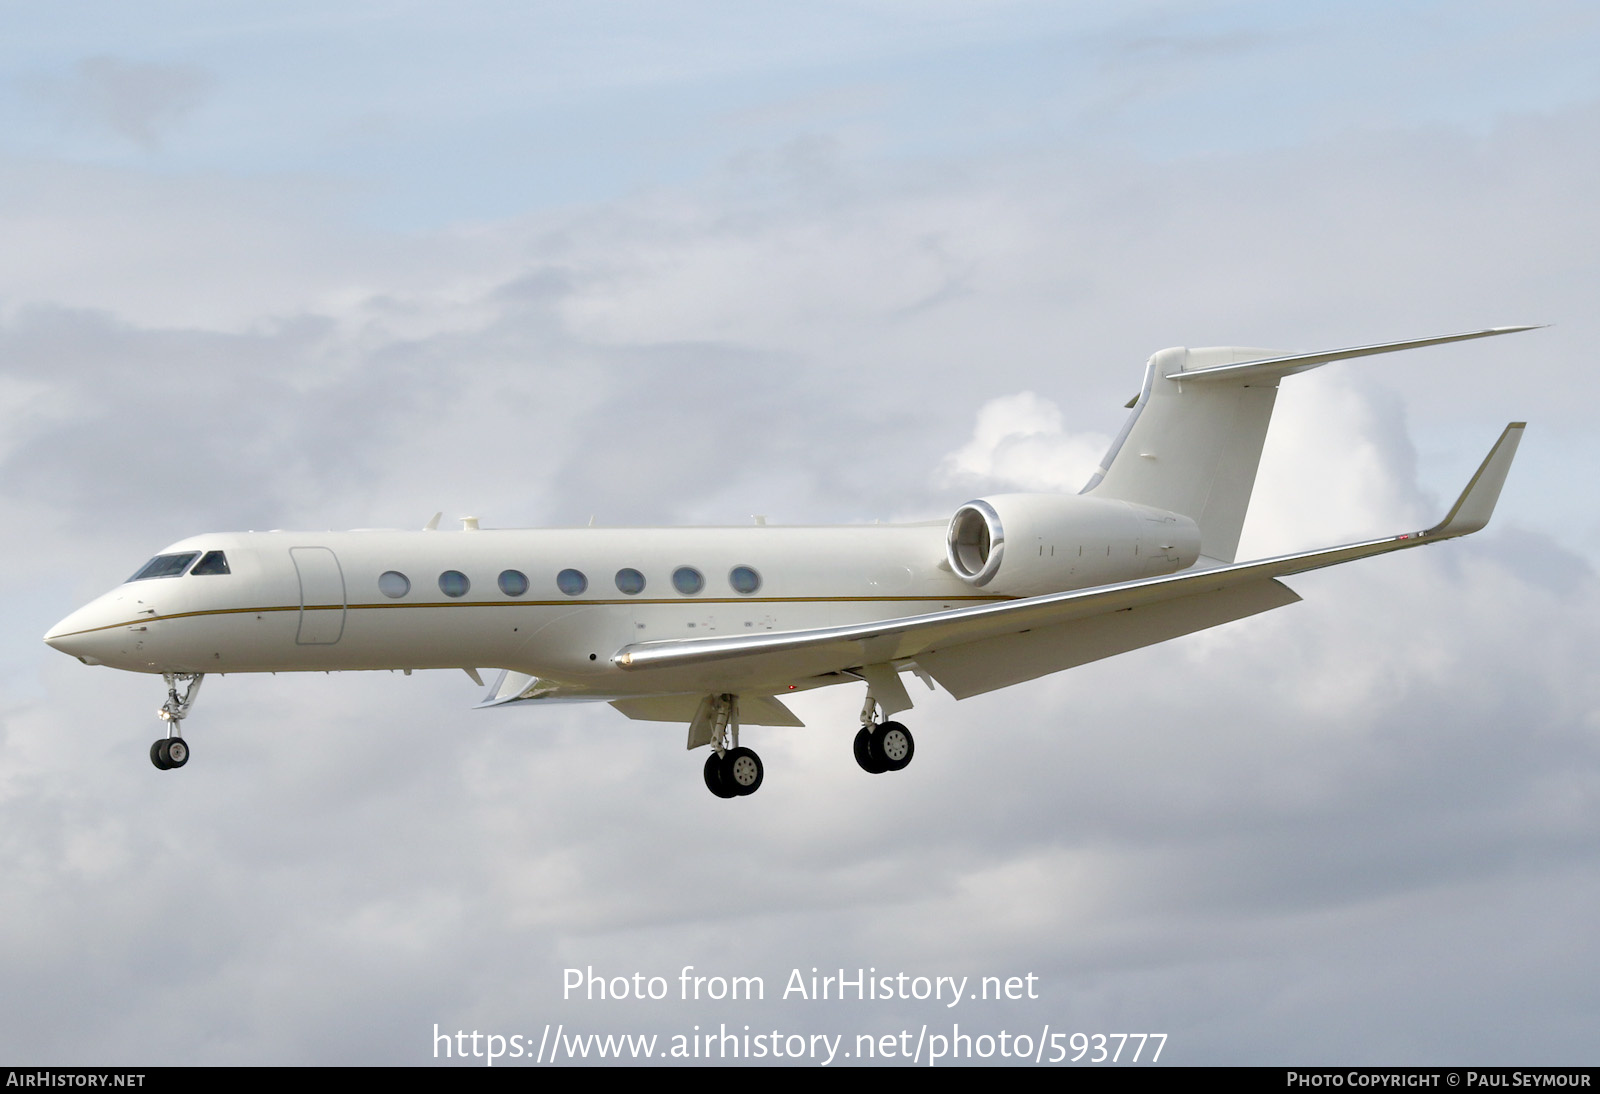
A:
[82,635]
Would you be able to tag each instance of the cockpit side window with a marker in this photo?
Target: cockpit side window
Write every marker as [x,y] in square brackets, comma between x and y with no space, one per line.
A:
[215,562]
[165,566]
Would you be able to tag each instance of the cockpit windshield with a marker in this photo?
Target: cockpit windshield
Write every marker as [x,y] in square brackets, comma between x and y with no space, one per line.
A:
[165,566]
[215,562]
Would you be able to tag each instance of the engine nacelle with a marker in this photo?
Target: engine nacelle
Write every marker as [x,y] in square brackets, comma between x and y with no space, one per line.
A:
[1027,544]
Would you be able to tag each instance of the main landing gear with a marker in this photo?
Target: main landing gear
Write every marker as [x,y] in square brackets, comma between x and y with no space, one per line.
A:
[734,772]
[882,746]
[172,750]
[887,746]
[731,771]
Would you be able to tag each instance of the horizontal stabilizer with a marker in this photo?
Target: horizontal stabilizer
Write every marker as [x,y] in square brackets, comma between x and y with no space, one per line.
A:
[1300,362]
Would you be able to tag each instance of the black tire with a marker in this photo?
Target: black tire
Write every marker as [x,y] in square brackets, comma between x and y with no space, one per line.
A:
[176,751]
[864,757]
[892,746]
[714,777]
[742,770]
[158,755]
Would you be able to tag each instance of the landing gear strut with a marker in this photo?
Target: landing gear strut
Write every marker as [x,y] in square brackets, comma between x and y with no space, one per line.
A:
[172,750]
[882,746]
[730,771]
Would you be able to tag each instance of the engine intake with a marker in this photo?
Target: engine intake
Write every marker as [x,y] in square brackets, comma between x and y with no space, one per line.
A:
[976,543]
[1027,544]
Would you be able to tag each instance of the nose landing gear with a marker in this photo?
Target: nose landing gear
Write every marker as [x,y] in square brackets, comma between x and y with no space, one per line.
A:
[172,750]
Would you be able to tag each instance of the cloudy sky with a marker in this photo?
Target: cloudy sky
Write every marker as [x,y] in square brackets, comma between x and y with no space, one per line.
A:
[327,266]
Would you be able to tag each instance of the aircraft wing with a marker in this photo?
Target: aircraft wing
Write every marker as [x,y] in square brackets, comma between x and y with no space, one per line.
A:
[970,649]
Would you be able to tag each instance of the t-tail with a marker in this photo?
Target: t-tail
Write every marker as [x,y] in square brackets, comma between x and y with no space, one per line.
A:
[1193,442]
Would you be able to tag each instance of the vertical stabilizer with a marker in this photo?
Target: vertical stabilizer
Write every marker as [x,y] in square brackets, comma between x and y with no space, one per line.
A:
[1193,441]
[1193,448]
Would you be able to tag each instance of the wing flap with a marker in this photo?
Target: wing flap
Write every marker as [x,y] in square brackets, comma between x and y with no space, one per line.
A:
[994,663]
[754,710]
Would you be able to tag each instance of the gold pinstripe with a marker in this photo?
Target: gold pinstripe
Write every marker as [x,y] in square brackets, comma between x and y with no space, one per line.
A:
[533,604]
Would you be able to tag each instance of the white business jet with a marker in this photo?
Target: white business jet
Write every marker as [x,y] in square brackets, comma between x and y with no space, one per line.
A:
[713,626]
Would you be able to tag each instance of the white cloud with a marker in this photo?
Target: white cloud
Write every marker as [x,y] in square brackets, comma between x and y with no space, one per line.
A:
[1337,467]
[1019,444]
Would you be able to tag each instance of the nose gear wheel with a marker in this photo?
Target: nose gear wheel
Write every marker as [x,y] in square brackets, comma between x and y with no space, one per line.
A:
[172,751]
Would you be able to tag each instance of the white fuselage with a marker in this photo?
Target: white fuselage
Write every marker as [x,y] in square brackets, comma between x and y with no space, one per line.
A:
[317,601]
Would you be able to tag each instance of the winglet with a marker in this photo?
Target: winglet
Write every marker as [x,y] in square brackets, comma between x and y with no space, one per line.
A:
[1475,506]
